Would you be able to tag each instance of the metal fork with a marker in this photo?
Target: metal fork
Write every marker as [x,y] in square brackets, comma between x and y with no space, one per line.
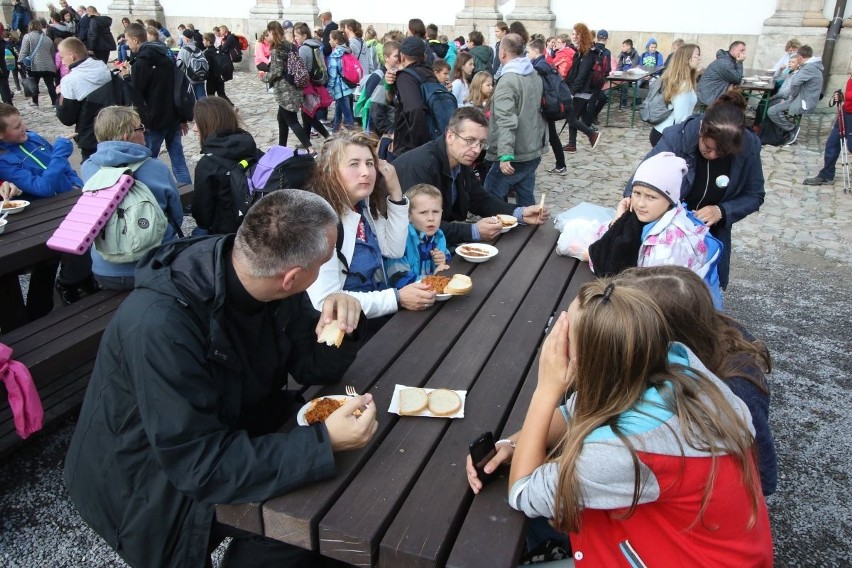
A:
[350,390]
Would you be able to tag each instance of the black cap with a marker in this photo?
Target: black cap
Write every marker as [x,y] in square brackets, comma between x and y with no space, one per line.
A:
[413,46]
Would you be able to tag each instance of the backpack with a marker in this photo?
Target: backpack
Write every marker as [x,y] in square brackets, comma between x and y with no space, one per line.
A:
[556,101]
[362,105]
[319,69]
[119,92]
[654,109]
[252,178]
[184,96]
[136,226]
[236,53]
[600,70]
[11,60]
[197,68]
[294,70]
[244,44]
[440,105]
[351,70]
[224,64]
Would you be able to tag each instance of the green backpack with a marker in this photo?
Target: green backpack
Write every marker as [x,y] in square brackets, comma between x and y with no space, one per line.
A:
[138,223]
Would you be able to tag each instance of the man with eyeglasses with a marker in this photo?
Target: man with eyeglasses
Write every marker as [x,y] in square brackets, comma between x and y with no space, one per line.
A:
[515,151]
[446,164]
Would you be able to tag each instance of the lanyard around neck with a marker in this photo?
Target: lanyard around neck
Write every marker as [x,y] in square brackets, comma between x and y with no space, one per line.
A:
[25,151]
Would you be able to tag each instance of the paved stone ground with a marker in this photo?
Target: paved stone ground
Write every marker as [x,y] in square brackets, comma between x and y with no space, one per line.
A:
[790,285]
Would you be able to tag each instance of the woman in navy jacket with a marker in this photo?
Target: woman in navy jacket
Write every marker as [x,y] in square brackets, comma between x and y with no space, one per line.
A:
[725,179]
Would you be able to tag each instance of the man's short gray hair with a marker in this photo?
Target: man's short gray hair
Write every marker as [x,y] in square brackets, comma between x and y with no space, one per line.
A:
[285,229]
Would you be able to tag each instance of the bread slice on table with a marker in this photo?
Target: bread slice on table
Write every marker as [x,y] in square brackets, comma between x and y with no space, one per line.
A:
[331,334]
[412,401]
[444,402]
[507,220]
[459,285]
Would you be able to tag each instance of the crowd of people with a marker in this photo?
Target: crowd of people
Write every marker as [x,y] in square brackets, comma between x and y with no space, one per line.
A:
[666,443]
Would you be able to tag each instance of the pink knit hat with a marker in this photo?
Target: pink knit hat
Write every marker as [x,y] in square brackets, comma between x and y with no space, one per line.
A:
[662,172]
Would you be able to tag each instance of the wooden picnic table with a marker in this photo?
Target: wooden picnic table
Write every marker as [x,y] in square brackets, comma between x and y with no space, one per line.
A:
[760,88]
[403,500]
[631,78]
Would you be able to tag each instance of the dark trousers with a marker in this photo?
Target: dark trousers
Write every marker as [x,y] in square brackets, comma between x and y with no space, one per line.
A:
[596,104]
[575,124]
[654,137]
[15,312]
[5,92]
[217,87]
[249,550]
[313,122]
[287,121]
[832,147]
[102,54]
[49,82]
[555,144]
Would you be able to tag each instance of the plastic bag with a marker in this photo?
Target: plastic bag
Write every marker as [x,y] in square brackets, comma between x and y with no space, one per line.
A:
[580,226]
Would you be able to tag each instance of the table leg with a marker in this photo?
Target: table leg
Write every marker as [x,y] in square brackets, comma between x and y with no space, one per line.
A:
[608,104]
[633,104]
[14,312]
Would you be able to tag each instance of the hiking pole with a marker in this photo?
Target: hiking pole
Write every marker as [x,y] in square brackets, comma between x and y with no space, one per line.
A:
[844,150]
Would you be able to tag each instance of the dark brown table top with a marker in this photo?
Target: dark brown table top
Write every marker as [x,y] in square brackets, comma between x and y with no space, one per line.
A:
[403,500]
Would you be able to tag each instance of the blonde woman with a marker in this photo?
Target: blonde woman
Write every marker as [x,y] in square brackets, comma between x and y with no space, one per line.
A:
[678,88]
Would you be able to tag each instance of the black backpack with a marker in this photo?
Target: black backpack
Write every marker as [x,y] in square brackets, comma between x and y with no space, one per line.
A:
[184,96]
[600,70]
[555,95]
[440,104]
[252,178]
[119,92]
[224,65]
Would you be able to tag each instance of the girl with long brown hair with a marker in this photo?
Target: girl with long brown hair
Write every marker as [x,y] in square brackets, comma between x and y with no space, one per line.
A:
[579,79]
[652,454]
[461,76]
[366,194]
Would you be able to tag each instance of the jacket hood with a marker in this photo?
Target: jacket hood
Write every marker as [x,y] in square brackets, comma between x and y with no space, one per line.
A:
[815,61]
[234,146]
[173,268]
[153,50]
[116,153]
[312,42]
[519,65]
[722,53]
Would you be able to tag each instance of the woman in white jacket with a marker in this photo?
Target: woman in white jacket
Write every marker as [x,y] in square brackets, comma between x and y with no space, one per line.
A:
[367,196]
[678,88]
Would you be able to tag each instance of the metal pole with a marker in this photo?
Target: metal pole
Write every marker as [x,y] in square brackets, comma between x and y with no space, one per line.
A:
[831,41]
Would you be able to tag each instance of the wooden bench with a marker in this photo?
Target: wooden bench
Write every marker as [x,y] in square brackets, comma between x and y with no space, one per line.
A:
[59,350]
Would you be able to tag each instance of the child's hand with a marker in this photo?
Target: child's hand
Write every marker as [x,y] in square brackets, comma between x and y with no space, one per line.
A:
[555,368]
[440,260]
[623,207]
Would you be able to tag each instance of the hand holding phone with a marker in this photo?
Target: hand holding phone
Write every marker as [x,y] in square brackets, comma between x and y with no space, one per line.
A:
[482,450]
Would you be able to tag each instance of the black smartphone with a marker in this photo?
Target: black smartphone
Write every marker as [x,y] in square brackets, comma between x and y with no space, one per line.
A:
[482,450]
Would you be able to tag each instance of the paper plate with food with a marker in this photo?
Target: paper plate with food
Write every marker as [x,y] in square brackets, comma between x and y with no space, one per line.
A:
[14,206]
[319,409]
[509,222]
[476,252]
[435,403]
[446,287]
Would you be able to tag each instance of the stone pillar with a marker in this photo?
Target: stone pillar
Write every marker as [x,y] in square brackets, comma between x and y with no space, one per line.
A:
[119,9]
[535,15]
[260,14]
[480,15]
[147,10]
[6,6]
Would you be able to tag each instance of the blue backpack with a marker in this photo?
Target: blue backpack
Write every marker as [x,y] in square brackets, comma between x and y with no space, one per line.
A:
[440,105]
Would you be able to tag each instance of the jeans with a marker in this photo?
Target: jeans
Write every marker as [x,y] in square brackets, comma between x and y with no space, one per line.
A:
[154,141]
[522,181]
[5,92]
[200,90]
[115,282]
[49,82]
[342,113]
[832,147]
[123,52]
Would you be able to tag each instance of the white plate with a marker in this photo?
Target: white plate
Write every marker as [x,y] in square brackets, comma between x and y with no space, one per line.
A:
[3,225]
[300,417]
[509,228]
[21,205]
[438,297]
[491,250]
[759,83]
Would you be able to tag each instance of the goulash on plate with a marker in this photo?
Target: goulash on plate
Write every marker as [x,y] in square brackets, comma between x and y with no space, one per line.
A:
[321,409]
[437,283]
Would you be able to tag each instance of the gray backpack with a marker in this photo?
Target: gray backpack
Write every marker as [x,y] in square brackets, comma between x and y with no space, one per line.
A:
[138,223]
[654,109]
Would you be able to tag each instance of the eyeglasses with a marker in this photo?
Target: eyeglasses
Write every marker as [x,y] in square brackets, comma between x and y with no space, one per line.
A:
[471,142]
[141,128]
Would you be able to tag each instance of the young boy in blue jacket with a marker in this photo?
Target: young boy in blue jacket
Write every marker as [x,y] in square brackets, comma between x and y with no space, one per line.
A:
[426,249]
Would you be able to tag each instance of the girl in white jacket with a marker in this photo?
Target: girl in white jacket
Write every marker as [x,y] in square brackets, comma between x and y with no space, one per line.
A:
[366,194]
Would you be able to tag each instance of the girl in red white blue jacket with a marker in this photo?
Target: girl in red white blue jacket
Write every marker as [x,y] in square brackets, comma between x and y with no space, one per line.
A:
[653,463]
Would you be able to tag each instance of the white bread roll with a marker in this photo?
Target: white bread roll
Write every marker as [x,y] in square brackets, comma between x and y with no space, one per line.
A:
[412,401]
[460,284]
[331,334]
[444,402]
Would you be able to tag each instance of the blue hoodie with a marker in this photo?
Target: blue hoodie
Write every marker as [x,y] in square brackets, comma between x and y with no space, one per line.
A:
[153,173]
[37,168]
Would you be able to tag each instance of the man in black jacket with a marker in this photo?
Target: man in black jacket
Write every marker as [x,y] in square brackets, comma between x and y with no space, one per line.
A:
[152,73]
[99,37]
[446,164]
[188,391]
